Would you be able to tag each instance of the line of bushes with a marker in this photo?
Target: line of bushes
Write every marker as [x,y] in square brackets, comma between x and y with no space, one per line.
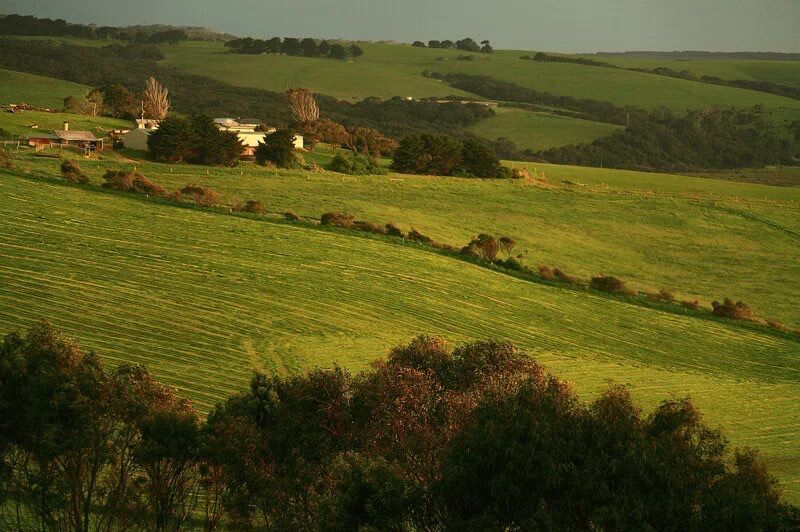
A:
[486,249]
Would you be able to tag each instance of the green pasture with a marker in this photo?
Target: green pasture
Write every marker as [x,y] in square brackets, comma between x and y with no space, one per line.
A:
[704,239]
[204,297]
[40,91]
[540,131]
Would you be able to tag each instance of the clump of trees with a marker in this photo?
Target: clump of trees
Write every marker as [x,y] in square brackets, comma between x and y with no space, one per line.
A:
[277,149]
[431,438]
[443,155]
[306,47]
[355,165]
[467,44]
[195,140]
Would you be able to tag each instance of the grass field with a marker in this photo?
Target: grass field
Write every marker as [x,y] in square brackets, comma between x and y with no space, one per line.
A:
[703,238]
[33,122]
[785,72]
[540,131]
[395,70]
[204,297]
[40,91]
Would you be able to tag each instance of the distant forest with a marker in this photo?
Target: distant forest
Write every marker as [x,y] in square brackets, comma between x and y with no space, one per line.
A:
[306,47]
[30,25]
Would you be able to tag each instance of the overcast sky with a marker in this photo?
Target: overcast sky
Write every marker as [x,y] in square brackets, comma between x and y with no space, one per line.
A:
[553,25]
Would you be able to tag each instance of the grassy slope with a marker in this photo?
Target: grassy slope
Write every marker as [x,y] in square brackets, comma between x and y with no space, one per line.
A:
[786,72]
[395,70]
[20,123]
[203,298]
[18,87]
[706,239]
[540,131]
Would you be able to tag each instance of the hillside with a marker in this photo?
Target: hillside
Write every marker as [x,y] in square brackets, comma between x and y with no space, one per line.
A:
[705,239]
[204,297]
[39,91]
[395,70]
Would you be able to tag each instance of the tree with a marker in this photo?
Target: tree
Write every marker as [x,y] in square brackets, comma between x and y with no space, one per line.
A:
[324,49]
[310,48]
[277,149]
[369,141]
[90,103]
[507,244]
[195,140]
[119,102]
[486,47]
[274,45]
[434,44]
[355,51]
[418,44]
[338,51]
[291,46]
[323,130]
[448,44]
[303,105]
[478,159]
[468,44]
[427,154]
[156,100]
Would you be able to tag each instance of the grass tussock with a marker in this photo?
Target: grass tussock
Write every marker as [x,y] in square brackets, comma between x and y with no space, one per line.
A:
[72,172]
[127,181]
[202,196]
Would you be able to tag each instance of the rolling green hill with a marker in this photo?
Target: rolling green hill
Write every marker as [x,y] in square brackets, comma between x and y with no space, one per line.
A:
[30,122]
[203,297]
[705,239]
[540,131]
[40,91]
[395,70]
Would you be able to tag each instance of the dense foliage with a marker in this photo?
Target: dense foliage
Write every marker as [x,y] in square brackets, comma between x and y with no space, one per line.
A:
[467,44]
[30,25]
[195,140]
[355,165]
[443,155]
[472,438]
[277,149]
[712,138]
[307,47]
[657,140]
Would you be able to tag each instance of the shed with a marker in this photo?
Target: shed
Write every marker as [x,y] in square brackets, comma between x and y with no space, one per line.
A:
[136,139]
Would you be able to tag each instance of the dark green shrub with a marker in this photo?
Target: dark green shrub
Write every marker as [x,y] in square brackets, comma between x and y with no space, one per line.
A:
[427,154]
[6,161]
[738,310]
[73,172]
[339,219]
[608,283]
[127,181]
[393,230]
[546,272]
[277,149]
[416,236]
[691,305]
[202,196]
[355,165]
[195,140]
[565,277]
[479,160]
[370,227]
[253,206]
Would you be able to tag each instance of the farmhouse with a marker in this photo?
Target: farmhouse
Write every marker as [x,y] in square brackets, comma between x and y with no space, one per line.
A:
[245,129]
[77,139]
[136,139]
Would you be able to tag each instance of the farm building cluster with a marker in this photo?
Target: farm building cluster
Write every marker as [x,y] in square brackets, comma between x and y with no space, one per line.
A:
[250,132]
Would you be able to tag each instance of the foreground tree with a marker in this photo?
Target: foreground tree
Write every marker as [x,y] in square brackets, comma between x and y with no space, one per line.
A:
[427,154]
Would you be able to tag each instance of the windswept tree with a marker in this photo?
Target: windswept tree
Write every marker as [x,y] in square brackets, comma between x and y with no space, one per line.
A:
[156,100]
[303,105]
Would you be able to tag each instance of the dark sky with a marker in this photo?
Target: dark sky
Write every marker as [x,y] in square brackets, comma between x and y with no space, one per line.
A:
[555,25]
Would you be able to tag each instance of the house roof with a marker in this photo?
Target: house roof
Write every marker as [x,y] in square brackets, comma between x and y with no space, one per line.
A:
[251,140]
[47,136]
[250,121]
[75,135]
